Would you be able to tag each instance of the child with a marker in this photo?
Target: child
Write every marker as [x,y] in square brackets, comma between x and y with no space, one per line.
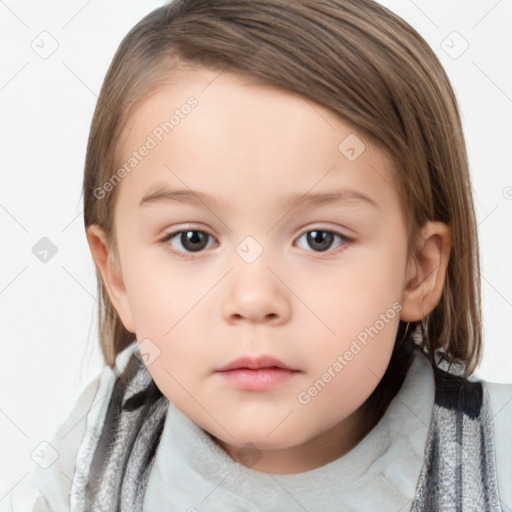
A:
[259,371]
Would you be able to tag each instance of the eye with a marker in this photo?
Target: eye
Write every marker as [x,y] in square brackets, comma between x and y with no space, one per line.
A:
[186,242]
[190,240]
[321,239]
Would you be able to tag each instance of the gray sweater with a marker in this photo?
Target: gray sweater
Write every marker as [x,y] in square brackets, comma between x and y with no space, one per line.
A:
[191,473]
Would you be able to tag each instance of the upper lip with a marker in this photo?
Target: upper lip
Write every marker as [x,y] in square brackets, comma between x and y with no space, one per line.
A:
[255,363]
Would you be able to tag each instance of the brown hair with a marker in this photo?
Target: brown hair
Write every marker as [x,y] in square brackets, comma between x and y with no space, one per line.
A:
[359,60]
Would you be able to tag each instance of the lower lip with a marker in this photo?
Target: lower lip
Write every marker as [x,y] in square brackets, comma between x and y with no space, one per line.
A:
[257,380]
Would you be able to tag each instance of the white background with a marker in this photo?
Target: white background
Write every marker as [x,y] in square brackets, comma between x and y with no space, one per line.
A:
[48,310]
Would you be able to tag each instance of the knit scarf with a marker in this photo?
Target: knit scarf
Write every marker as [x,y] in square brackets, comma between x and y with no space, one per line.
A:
[458,473]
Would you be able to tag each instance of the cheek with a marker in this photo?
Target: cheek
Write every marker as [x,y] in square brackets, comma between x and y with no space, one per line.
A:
[162,294]
[345,373]
[360,309]
[166,306]
[352,297]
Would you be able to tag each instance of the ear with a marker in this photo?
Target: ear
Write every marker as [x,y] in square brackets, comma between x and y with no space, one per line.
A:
[426,272]
[110,270]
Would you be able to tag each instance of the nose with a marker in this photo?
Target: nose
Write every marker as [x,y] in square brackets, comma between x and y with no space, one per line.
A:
[256,294]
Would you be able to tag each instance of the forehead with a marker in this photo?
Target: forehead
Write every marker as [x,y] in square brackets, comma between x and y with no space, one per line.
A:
[223,131]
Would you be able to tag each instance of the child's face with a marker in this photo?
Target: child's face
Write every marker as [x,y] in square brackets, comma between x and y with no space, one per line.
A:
[258,285]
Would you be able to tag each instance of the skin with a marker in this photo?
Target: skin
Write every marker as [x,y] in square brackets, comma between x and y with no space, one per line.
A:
[250,146]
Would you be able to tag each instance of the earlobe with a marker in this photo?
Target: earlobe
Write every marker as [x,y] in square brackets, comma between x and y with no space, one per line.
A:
[426,272]
[111,274]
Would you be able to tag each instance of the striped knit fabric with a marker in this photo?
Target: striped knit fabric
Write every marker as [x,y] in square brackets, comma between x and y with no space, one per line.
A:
[458,474]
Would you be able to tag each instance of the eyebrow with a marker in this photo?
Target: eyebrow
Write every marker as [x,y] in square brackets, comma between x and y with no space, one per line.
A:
[163,195]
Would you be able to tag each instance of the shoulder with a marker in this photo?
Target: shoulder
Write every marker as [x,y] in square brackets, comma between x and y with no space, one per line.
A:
[52,481]
[500,398]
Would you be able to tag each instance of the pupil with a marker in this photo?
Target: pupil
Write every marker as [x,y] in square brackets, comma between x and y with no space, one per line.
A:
[317,237]
[193,240]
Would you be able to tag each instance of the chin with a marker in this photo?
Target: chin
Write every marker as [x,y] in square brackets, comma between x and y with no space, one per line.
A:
[261,439]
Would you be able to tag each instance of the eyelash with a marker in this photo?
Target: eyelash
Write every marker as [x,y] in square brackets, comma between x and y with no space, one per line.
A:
[188,256]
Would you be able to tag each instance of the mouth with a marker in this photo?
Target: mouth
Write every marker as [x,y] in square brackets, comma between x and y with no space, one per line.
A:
[256,373]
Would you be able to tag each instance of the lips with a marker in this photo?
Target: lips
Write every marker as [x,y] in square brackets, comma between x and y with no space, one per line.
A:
[255,363]
[256,373]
